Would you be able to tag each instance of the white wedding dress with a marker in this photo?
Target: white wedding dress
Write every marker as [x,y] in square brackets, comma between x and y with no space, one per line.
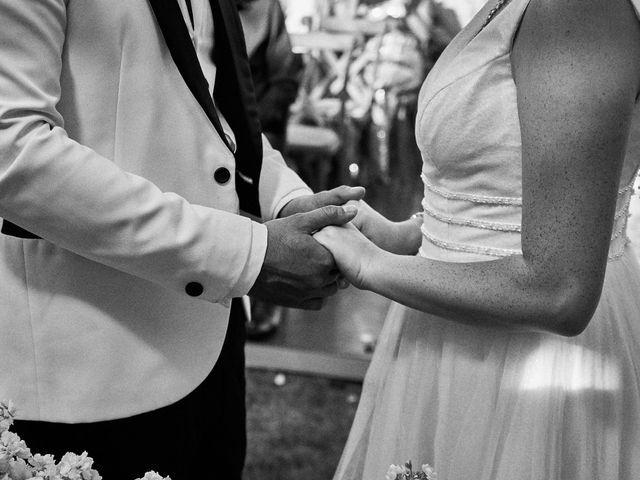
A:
[487,403]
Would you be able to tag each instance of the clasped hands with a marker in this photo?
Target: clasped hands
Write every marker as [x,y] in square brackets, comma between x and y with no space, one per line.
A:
[316,242]
[297,270]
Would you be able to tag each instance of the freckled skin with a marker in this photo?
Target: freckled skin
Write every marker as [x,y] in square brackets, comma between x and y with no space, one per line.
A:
[577,76]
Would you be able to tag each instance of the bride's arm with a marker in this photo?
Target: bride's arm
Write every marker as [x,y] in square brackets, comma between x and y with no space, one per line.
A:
[577,74]
[402,238]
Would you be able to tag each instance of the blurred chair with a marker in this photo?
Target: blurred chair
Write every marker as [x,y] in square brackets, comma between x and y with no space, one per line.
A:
[318,132]
[313,149]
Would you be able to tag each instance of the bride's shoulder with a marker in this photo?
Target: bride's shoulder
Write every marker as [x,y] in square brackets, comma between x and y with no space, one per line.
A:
[562,12]
[578,27]
[579,39]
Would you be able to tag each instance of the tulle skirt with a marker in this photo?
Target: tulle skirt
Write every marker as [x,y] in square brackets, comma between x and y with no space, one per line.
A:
[493,404]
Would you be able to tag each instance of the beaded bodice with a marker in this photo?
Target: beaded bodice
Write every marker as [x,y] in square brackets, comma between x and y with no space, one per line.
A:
[468,131]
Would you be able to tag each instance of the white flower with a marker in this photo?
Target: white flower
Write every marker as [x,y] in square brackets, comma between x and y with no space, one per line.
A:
[12,446]
[153,476]
[4,464]
[77,467]
[90,475]
[395,470]
[429,472]
[7,414]
[19,470]
[44,466]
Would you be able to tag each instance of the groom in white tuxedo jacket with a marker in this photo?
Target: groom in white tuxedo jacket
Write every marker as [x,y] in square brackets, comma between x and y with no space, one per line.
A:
[122,176]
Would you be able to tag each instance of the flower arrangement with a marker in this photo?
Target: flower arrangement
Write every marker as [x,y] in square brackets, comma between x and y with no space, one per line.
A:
[405,472]
[18,463]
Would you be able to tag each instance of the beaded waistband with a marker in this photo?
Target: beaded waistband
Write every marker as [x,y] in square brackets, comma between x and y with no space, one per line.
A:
[455,232]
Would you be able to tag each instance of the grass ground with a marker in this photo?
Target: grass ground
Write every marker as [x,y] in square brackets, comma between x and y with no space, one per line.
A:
[297,430]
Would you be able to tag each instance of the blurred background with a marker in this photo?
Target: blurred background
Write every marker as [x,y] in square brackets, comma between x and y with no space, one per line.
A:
[337,83]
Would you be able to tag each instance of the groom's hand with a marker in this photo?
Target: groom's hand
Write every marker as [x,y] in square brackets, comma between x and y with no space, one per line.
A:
[336,196]
[297,271]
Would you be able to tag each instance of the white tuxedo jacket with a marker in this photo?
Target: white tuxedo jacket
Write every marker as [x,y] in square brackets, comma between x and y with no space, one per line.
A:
[106,155]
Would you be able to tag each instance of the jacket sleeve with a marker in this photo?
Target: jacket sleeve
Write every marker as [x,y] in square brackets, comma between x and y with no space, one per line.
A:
[279,184]
[83,202]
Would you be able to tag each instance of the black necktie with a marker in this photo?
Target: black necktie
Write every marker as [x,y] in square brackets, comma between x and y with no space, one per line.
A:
[234,96]
[233,92]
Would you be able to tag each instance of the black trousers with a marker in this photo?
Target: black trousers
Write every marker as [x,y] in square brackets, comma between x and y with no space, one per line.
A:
[201,436]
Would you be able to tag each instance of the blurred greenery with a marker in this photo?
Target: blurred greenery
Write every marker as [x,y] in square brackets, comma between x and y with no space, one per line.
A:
[297,430]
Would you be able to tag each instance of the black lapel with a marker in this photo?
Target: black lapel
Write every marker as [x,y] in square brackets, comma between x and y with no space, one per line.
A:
[235,97]
[233,90]
[176,36]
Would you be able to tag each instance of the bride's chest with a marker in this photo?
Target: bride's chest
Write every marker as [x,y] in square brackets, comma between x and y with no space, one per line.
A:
[467,125]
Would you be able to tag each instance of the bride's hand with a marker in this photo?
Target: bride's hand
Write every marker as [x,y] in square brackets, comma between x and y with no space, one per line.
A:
[354,254]
[402,238]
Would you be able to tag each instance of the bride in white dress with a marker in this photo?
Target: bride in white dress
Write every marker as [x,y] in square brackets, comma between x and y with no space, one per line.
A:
[513,351]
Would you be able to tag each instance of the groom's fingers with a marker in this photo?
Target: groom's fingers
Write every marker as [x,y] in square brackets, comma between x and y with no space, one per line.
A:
[322,217]
[328,290]
[343,283]
[312,303]
[338,196]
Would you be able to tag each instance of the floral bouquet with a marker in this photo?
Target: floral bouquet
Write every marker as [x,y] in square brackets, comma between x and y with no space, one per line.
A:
[17,462]
[405,472]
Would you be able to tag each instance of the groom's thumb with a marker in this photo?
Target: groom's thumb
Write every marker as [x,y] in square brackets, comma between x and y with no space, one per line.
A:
[330,215]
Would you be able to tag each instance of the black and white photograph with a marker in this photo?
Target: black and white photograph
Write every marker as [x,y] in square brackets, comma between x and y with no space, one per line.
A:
[319,239]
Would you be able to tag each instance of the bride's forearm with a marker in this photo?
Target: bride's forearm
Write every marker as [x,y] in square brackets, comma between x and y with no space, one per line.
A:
[402,238]
[506,291]
[405,238]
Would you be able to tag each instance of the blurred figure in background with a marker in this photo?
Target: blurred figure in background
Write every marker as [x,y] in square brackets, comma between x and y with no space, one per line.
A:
[445,26]
[432,22]
[276,72]
[465,9]
[275,69]
[385,78]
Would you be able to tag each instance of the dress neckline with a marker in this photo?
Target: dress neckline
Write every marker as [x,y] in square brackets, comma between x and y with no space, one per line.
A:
[474,28]
[491,15]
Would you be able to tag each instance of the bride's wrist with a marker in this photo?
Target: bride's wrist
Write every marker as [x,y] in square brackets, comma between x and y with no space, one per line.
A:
[374,270]
[408,237]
